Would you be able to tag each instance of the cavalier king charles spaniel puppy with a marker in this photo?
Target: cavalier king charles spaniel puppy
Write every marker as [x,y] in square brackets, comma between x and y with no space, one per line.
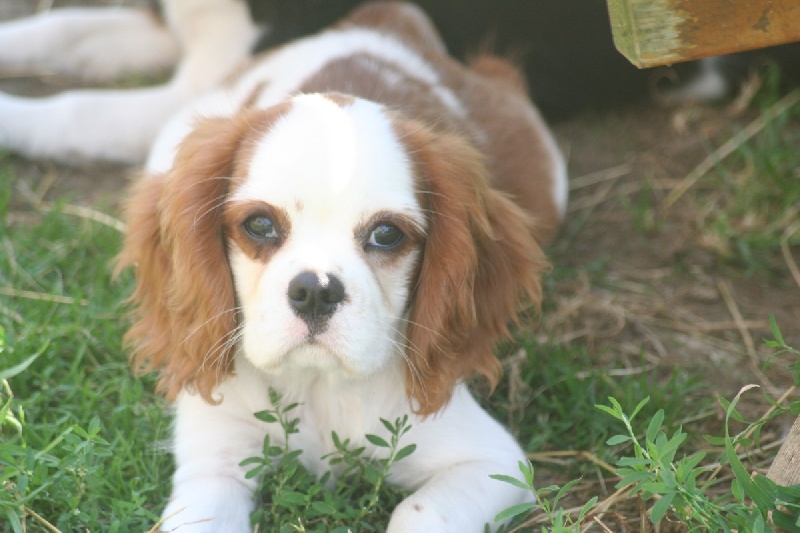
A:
[353,222]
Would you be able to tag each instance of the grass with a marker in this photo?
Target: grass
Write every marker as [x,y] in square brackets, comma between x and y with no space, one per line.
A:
[750,201]
[81,439]
[679,487]
[559,382]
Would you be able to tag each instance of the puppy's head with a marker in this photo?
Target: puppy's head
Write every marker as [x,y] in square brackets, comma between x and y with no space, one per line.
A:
[327,234]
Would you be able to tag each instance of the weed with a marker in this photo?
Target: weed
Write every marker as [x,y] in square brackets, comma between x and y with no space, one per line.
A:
[682,488]
[781,348]
[753,504]
[554,383]
[547,500]
[296,500]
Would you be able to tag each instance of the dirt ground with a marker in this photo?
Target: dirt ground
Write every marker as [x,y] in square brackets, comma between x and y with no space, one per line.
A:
[659,293]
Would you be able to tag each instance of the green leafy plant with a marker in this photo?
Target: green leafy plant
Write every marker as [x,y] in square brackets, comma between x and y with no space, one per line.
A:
[68,403]
[547,501]
[780,345]
[674,485]
[294,499]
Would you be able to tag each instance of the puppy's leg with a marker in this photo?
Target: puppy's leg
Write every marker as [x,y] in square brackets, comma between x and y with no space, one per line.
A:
[457,450]
[209,490]
[90,43]
[460,499]
[215,35]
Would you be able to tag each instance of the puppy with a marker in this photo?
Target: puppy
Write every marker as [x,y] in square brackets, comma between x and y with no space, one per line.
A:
[352,221]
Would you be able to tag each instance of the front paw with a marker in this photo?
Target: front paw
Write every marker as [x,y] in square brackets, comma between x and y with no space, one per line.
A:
[414,515]
[187,521]
[209,505]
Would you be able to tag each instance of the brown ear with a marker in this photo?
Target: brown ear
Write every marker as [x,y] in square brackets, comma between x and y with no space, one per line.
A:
[185,314]
[479,261]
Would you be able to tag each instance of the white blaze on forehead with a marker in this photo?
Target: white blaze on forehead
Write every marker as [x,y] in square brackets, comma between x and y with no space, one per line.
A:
[325,156]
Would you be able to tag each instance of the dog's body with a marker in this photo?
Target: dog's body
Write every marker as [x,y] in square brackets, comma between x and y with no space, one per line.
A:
[565,46]
[351,220]
[365,197]
[205,40]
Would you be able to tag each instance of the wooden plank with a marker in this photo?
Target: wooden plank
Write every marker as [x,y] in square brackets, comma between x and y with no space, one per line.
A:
[785,469]
[662,32]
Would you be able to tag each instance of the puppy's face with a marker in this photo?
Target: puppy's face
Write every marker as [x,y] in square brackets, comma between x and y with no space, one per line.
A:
[324,233]
[329,233]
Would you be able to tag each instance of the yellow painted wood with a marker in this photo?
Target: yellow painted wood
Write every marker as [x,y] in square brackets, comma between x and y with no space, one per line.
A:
[662,32]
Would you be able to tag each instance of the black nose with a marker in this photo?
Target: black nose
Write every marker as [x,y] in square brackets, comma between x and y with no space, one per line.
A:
[314,297]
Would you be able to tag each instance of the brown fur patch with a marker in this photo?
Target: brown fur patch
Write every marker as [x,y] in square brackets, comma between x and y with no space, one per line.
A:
[184,296]
[500,119]
[480,260]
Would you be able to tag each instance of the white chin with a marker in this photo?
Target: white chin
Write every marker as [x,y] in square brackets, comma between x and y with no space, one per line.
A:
[312,356]
[302,356]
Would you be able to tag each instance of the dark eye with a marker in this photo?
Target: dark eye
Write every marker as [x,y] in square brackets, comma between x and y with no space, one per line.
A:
[260,227]
[385,236]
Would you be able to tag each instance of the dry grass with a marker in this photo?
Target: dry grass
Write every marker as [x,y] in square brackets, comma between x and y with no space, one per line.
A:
[641,295]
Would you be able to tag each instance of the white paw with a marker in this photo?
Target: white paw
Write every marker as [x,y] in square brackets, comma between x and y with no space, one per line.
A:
[414,515]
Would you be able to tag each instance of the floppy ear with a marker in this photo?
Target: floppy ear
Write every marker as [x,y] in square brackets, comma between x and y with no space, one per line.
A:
[479,262]
[185,313]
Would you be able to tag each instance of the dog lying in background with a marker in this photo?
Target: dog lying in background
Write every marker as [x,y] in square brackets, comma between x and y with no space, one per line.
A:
[352,221]
[206,40]
[564,45]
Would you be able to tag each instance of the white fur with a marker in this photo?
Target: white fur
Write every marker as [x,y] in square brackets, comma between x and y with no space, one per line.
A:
[457,450]
[325,159]
[214,37]
[706,85]
[318,164]
[93,43]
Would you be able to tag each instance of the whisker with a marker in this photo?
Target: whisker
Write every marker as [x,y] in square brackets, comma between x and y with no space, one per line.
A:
[223,342]
[211,318]
[211,205]
[222,345]
[208,206]
[416,378]
[439,213]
